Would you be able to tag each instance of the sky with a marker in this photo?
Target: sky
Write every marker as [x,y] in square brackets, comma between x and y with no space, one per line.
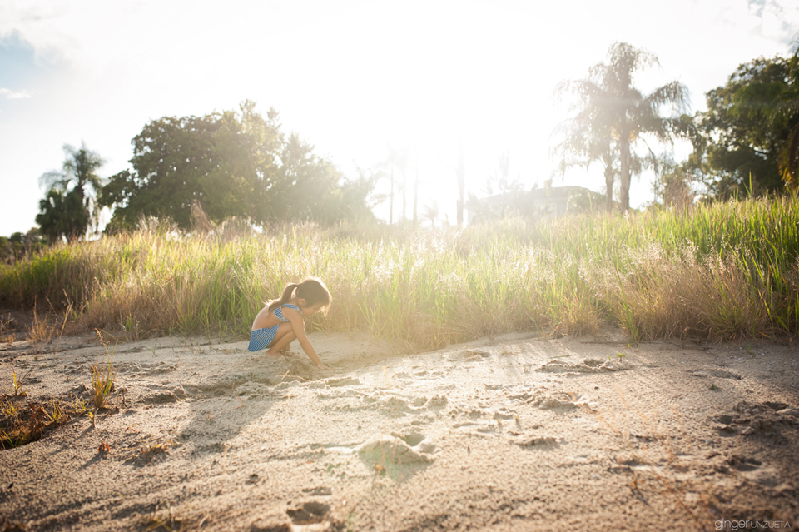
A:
[350,77]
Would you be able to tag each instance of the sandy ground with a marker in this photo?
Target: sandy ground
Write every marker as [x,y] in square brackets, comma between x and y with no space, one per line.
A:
[530,433]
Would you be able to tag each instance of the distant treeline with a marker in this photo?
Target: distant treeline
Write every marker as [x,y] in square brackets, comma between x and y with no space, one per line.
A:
[202,170]
[210,168]
[19,246]
[746,143]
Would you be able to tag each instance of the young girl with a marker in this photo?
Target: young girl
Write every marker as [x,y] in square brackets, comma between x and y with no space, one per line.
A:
[283,320]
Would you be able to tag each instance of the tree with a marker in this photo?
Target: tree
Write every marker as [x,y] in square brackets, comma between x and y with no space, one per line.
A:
[246,148]
[588,136]
[431,212]
[70,205]
[673,183]
[306,186]
[416,190]
[62,215]
[397,160]
[749,136]
[174,162]
[461,176]
[614,115]
[501,178]
[233,163]
[353,201]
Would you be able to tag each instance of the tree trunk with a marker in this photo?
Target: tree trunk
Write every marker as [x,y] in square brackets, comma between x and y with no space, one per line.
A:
[792,155]
[391,200]
[404,197]
[609,179]
[461,184]
[624,155]
[416,192]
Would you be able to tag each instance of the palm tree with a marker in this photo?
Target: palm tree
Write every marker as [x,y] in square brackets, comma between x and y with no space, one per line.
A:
[587,140]
[461,173]
[69,211]
[397,158]
[613,115]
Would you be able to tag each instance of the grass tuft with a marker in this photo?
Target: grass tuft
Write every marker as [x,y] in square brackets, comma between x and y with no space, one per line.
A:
[23,420]
[103,377]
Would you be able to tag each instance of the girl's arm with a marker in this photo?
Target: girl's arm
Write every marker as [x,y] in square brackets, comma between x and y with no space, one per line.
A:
[298,325]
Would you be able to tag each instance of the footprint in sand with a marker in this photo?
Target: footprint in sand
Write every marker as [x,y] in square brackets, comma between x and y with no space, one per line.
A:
[402,449]
[536,440]
[309,513]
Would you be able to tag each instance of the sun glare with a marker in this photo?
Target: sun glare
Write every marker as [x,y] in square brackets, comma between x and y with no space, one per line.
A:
[355,77]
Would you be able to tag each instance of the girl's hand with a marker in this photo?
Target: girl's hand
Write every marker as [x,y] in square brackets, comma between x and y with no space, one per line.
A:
[322,366]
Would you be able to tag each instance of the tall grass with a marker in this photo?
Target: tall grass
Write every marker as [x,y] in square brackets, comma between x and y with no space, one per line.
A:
[723,271]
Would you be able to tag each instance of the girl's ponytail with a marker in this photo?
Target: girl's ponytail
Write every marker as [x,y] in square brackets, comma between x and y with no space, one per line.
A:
[284,297]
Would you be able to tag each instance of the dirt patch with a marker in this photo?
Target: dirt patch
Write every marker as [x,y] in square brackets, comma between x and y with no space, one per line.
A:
[523,434]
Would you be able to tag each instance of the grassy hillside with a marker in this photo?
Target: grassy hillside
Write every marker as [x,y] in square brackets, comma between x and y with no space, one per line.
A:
[722,271]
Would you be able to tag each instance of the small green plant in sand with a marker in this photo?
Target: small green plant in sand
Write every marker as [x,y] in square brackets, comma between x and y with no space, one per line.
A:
[10,422]
[9,409]
[168,523]
[55,412]
[16,382]
[79,406]
[619,356]
[103,376]
[26,422]
[23,420]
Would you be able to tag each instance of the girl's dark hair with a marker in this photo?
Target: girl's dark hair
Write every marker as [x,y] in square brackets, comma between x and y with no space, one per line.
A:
[312,290]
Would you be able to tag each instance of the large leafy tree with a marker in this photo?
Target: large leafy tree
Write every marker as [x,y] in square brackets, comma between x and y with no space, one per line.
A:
[70,205]
[180,161]
[245,165]
[749,136]
[232,164]
[613,116]
[305,185]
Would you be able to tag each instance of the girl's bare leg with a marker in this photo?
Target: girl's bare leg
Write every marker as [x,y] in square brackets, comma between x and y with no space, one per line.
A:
[285,350]
[283,337]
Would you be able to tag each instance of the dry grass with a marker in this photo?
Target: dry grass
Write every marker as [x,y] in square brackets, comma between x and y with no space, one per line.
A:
[42,330]
[690,298]
[723,271]
[8,328]
[23,420]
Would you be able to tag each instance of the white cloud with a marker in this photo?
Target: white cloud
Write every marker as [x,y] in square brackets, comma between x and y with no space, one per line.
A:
[781,19]
[11,95]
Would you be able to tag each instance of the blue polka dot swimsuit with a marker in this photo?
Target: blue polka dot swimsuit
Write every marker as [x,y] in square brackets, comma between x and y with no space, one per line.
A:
[261,338]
